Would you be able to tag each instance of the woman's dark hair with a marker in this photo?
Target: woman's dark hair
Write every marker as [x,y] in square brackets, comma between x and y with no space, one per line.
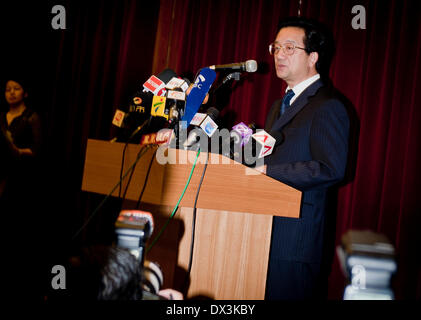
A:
[19,79]
[318,38]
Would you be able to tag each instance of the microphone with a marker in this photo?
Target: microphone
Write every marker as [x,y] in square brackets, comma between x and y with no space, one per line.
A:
[261,145]
[166,75]
[248,66]
[213,113]
[141,101]
[147,101]
[264,143]
[206,121]
[175,82]
[156,84]
[198,93]
[158,107]
[244,131]
[163,136]
[119,117]
[139,108]
[199,117]
[173,97]
[239,136]
[136,113]
[169,106]
[128,124]
[208,124]
[176,102]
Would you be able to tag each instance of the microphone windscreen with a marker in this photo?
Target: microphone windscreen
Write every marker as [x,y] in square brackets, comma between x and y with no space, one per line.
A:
[213,113]
[166,75]
[251,65]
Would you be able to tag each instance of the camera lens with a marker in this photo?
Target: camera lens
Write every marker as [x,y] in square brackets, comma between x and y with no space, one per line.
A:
[152,277]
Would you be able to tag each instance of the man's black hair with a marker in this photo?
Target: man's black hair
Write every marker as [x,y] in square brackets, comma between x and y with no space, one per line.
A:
[105,273]
[318,38]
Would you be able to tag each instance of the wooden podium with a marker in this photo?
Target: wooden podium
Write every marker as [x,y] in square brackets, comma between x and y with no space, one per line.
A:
[233,223]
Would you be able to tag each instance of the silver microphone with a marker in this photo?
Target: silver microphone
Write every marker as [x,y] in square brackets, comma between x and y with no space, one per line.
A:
[248,66]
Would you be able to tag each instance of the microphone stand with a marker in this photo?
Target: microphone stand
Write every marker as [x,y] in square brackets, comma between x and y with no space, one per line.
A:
[232,76]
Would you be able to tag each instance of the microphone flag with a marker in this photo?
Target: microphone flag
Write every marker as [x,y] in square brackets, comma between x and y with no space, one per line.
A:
[244,131]
[198,93]
[265,142]
[158,107]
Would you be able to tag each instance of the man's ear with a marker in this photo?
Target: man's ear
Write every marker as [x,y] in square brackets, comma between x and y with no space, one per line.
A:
[314,57]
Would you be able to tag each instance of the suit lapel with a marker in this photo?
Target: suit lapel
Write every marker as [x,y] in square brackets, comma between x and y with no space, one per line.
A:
[273,115]
[297,105]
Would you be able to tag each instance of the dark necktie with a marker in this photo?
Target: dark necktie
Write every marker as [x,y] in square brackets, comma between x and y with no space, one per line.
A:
[285,101]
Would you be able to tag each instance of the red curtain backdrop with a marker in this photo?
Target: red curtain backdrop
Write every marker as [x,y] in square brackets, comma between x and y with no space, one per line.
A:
[376,68]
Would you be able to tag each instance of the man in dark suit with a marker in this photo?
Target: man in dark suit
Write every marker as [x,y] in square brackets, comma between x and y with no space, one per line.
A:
[311,158]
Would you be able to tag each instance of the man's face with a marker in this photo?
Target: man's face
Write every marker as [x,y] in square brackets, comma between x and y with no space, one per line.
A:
[296,67]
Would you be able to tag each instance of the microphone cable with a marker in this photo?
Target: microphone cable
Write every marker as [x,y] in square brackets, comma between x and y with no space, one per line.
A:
[130,179]
[176,206]
[194,223]
[146,180]
[140,128]
[141,152]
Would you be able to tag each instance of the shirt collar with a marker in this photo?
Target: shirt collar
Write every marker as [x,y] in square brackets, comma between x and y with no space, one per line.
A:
[299,88]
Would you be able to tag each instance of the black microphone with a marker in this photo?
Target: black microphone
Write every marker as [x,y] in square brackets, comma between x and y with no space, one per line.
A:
[213,113]
[139,110]
[141,101]
[248,66]
[145,96]
[166,75]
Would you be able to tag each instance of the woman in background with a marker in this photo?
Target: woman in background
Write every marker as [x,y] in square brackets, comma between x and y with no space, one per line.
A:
[20,141]
[22,217]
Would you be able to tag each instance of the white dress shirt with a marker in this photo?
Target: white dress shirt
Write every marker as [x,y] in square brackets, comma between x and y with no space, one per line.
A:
[299,88]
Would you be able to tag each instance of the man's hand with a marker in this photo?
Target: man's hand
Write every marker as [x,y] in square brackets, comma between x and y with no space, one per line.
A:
[171,294]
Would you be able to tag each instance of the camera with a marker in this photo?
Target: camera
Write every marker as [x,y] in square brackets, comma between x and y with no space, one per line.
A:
[133,228]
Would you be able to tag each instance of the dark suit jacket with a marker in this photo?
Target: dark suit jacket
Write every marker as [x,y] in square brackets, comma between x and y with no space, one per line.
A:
[311,158]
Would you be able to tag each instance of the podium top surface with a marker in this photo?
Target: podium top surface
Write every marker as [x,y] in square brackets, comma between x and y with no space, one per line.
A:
[227,185]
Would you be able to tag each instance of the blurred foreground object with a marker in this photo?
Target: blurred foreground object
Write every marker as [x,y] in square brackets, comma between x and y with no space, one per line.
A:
[368,261]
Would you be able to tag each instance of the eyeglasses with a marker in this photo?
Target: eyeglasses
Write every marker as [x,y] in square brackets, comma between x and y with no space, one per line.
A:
[287,48]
